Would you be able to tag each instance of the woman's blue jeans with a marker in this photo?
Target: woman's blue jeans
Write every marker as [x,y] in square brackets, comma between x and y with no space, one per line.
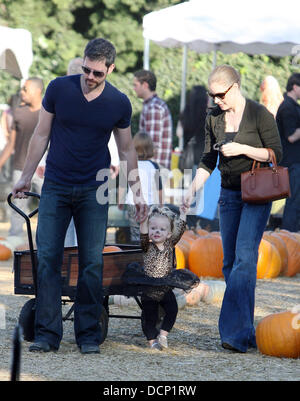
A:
[58,204]
[242,226]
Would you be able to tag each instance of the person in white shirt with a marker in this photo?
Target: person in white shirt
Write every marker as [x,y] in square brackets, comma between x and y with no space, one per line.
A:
[150,180]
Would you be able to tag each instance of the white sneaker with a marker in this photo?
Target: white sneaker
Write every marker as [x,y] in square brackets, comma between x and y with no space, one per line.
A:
[163,341]
[156,346]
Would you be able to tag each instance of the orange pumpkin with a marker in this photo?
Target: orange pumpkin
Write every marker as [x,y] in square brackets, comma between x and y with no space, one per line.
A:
[182,249]
[191,232]
[293,248]
[279,335]
[269,260]
[5,253]
[217,233]
[297,236]
[190,235]
[111,248]
[280,246]
[206,256]
[201,231]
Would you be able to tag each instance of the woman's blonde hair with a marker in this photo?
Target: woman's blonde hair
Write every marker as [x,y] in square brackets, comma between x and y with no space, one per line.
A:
[225,74]
[143,145]
[164,211]
[271,95]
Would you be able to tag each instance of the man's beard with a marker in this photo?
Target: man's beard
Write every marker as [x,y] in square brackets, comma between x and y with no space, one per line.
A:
[91,84]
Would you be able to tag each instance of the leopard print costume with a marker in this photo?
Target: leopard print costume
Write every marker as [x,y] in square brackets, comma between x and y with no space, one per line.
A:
[159,263]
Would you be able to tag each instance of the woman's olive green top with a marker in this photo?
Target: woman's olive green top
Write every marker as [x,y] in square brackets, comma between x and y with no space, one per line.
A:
[258,128]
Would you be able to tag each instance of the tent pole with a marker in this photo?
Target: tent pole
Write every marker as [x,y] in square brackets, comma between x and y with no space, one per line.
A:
[183,78]
[183,88]
[214,63]
[146,53]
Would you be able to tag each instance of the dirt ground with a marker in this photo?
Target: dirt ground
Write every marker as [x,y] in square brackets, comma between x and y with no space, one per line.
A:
[194,352]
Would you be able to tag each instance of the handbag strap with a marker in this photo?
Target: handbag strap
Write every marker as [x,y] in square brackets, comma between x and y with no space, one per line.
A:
[271,159]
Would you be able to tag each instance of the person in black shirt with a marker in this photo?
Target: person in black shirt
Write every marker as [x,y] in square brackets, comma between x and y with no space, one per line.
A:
[238,130]
[78,113]
[288,121]
[193,120]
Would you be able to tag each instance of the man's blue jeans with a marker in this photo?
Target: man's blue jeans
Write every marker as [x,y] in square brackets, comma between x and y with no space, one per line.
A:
[57,204]
[242,226]
[291,214]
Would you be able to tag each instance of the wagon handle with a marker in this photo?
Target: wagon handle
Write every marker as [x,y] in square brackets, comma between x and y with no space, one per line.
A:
[29,233]
[18,210]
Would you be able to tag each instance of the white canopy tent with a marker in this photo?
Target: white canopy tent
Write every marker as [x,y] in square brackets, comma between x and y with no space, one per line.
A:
[15,51]
[254,27]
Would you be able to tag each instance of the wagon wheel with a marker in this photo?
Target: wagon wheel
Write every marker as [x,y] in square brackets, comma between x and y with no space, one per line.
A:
[26,319]
[103,324]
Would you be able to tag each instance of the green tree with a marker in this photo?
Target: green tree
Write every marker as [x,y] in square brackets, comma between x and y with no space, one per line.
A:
[61,28]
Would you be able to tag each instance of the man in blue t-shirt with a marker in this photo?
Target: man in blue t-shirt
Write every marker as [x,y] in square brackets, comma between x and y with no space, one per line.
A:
[77,116]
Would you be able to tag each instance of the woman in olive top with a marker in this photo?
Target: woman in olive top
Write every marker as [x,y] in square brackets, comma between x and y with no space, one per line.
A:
[238,130]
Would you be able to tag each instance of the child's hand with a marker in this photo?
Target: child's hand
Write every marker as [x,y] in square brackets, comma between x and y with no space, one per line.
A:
[141,212]
[188,199]
[183,211]
[144,226]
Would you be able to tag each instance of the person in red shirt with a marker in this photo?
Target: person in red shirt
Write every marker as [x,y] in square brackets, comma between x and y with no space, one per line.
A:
[155,118]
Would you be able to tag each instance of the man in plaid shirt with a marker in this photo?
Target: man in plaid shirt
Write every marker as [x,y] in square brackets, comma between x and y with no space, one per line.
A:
[155,118]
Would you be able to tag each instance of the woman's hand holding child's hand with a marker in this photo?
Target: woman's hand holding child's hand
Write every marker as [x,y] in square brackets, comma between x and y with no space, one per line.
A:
[183,209]
[141,212]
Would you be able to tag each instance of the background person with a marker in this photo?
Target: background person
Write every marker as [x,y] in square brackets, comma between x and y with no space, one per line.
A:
[252,129]
[288,120]
[192,120]
[24,120]
[191,125]
[271,95]
[155,118]
[150,181]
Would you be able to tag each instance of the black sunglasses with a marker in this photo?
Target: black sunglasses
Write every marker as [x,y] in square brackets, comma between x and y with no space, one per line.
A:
[97,74]
[220,95]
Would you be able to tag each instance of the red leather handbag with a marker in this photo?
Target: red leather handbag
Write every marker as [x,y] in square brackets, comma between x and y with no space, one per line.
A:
[266,184]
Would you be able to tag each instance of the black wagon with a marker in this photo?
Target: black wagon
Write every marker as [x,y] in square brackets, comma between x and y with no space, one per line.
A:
[114,266]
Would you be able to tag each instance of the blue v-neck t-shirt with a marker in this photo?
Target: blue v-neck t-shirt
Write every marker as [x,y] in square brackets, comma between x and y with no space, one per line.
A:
[81,130]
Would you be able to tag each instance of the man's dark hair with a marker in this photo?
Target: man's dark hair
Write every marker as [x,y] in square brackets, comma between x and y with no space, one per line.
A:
[100,49]
[146,76]
[294,79]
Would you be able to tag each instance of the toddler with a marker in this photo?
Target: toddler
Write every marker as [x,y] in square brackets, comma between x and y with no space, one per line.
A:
[159,233]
